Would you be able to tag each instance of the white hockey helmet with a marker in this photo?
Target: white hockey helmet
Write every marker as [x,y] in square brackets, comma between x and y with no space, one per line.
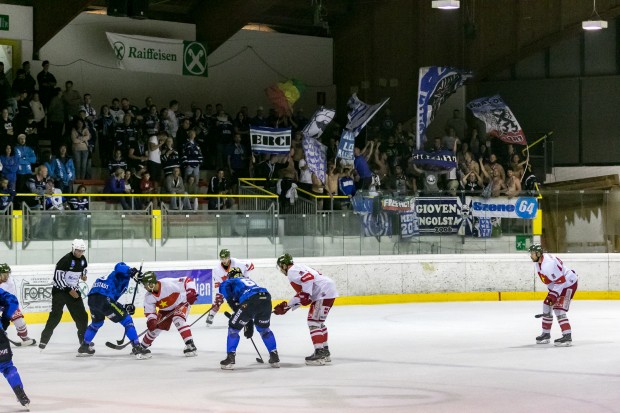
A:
[78,244]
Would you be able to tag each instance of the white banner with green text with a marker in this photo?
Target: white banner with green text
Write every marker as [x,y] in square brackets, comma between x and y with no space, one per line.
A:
[159,55]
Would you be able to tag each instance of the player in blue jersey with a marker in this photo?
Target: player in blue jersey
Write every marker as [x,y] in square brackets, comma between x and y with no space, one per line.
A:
[251,303]
[103,302]
[9,302]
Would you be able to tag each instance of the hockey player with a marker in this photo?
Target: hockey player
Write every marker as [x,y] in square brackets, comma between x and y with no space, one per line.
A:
[103,302]
[250,303]
[220,273]
[172,296]
[313,288]
[7,284]
[10,305]
[561,282]
[70,269]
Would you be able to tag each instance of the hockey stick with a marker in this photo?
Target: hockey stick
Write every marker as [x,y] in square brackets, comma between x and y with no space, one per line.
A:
[135,291]
[259,358]
[543,315]
[21,343]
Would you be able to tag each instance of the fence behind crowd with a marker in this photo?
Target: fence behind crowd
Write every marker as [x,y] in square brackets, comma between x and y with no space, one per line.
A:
[313,225]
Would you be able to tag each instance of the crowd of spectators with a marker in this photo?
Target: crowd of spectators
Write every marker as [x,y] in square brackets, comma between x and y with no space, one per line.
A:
[162,149]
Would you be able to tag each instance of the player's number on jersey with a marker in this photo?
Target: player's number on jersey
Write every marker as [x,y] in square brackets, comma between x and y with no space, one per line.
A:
[247,282]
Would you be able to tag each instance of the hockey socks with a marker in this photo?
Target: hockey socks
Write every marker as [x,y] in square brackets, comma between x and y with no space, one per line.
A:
[232,341]
[268,338]
[10,374]
[130,329]
[91,331]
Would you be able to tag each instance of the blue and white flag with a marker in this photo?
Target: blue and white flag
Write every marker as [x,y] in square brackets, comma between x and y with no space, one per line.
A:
[443,159]
[316,157]
[435,85]
[270,140]
[318,123]
[346,145]
[361,113]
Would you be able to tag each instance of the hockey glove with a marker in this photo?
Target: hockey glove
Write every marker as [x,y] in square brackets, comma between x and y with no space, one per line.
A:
[304,298]
[219,300]
[135,274]
[248,330]
[550,299]
[6,322]
[191,296]
[281,308]
[151,324]
[130,308]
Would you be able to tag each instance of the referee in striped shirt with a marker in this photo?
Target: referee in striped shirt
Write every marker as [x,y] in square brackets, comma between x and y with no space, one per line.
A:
[70,269]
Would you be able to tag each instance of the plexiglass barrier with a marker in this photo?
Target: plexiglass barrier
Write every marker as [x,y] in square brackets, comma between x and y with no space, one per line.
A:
[572,221]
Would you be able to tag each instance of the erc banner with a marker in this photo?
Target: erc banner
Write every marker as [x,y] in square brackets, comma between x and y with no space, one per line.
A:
[159,55]
[270,140]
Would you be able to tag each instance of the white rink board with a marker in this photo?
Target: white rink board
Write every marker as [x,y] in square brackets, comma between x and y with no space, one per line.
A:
[415,274]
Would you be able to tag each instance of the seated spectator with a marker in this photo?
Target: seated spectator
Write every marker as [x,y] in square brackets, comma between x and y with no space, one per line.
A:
[6,194]
[77,202]
[219,185]
[191,186]
[53,196]
[173,184]
[132,186]
[116,185]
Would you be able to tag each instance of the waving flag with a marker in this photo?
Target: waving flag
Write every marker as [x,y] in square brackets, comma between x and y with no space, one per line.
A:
[284,95]
[435,85]
[499,120]
[314,150]
[318,123]
[361,113]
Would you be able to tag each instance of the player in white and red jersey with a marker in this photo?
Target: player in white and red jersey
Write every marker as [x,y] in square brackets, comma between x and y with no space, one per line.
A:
[315,289]
[561,282]
[8,285]
[220,274]
[172,296]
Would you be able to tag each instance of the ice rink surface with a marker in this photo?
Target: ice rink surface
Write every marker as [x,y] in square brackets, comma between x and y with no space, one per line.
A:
[432,357]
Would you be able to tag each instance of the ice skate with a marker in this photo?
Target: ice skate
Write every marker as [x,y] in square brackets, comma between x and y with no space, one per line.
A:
[85,350]
[21,396]
[210,318]
[42,346]
[190,349]
[326,355]
[27,341]
[274,359]
[141,352]
[316,359]
[544,338]
[565,341]
[229,362]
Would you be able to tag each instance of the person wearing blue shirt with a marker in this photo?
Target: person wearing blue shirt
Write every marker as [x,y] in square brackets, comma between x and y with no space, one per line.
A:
[26,157]
[10,165]
[63,170]
[251,304]
[9,305]
[103,302]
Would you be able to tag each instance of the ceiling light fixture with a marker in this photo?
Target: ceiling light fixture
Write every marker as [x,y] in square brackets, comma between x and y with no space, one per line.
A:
[595,22]
[446,4]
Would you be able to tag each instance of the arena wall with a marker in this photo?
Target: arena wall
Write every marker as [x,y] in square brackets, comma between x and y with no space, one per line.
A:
[374,279]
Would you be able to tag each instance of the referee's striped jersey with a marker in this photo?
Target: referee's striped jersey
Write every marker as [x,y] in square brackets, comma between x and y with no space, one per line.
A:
[68,272]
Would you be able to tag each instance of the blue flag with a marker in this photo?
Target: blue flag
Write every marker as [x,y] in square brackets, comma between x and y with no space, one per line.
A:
[435,85]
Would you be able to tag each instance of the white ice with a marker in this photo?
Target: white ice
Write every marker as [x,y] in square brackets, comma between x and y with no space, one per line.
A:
[435,357]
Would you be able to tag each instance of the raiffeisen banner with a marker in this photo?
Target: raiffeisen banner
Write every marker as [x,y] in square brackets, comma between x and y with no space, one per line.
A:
[158,55]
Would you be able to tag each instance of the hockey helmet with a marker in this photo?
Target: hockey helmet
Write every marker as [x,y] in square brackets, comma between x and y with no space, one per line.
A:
[536,248]
[149,277]
[235,272]
[285,259]
[225,253]
[78,244]
[4,269]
